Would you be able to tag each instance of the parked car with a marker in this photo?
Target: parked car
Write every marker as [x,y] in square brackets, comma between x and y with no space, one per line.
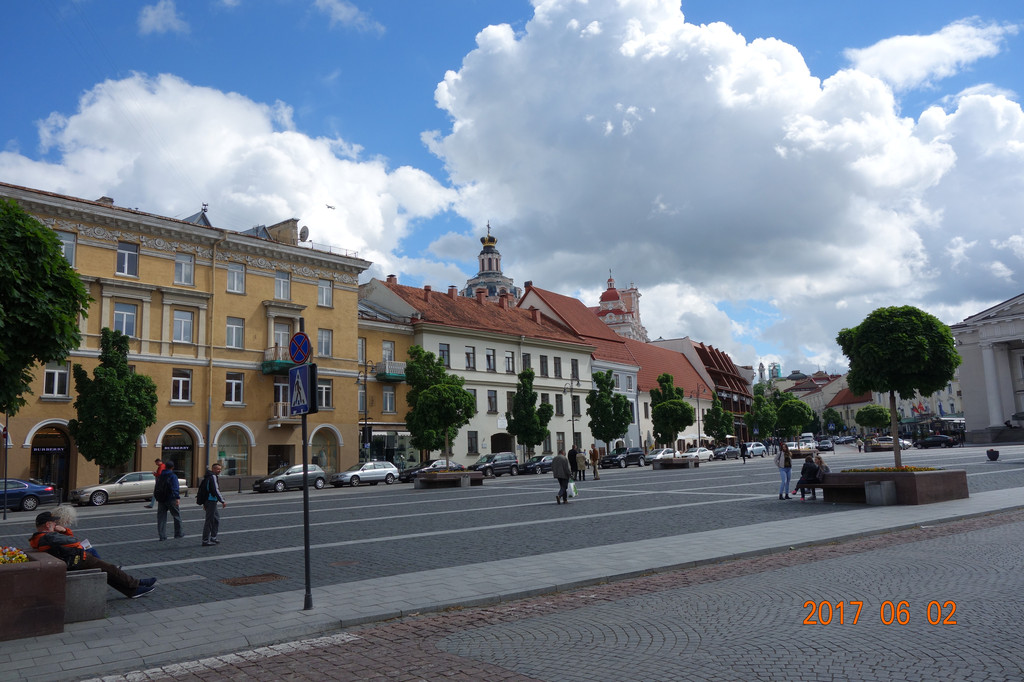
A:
[538,464]
[409,473]
[136,485]
[366,472]
[935,441]
[497,464]
[756,449]
[27,494]
[726,452]
[844,440]
[662,453]
[623,457]
[283,478]
[825,446]
[699,453]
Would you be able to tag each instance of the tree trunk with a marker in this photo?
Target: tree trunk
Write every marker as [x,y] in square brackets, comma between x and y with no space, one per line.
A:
[893,424]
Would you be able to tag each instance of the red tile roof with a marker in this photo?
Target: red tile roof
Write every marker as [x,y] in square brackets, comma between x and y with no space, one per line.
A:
[654,361]
[848,397]
[438,307]
[722,370]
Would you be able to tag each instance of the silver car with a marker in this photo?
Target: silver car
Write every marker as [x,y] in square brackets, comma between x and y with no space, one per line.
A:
[366,472]
[137,485]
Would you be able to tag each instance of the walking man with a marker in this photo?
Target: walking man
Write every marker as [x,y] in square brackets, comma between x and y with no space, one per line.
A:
[594,457]
[561,470]
[210,491]
[167,494]
[743,451]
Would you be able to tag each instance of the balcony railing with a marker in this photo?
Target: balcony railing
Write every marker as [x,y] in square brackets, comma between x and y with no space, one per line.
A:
[281,413]
[276,360]
[390,370]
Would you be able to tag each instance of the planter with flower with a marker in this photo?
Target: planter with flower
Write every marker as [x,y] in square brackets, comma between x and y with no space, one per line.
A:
[33,587]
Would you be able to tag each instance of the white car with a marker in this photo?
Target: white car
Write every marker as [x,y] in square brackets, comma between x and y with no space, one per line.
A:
[662,453]
[756,449]
[700,453]
[136,485]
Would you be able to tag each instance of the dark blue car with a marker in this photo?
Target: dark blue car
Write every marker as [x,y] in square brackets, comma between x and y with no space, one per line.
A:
[28,494]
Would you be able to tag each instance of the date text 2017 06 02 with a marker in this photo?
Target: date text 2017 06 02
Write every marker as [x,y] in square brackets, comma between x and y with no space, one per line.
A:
[848,612]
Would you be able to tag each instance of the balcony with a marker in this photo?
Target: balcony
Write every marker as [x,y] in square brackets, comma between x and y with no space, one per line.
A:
[280,415]
[276,360]
[390,370]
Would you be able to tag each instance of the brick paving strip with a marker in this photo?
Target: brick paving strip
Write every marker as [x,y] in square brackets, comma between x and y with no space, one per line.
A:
[408,648]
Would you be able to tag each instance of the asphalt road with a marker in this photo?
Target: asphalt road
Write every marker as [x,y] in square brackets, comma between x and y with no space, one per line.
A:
[376,531]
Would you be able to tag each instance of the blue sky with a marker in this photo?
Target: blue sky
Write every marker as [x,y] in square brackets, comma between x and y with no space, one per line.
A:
[765,173]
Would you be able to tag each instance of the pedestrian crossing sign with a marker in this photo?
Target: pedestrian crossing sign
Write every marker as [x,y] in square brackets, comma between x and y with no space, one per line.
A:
[302,389]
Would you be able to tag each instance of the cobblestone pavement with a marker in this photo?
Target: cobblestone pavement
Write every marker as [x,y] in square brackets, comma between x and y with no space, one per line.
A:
[396,531]
[770,617]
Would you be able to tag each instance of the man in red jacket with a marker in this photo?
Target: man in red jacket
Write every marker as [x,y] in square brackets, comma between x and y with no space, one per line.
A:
[61,542]
[156,474]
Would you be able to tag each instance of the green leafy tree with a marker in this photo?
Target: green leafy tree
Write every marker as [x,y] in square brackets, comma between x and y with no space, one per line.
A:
[718,421]
[762,416]
[447,407]
[42,300]
[873,417]
[793,415]
[114,407]
[832,417]
[610,412]
[900,350]
[432,426]
[670,413]
[527,422]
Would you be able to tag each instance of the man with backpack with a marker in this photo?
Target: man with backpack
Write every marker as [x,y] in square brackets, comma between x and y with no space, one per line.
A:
[167,494]
[208,496]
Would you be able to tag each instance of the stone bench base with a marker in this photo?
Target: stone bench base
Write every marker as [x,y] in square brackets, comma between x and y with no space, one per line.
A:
[674,463]
[85,595]
[448,479]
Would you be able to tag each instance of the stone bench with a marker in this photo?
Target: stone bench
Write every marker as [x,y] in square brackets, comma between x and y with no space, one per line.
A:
[675,463]
[448,479]
[85,595]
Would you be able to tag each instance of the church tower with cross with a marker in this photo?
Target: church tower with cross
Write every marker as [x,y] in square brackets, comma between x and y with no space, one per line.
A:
[489,278]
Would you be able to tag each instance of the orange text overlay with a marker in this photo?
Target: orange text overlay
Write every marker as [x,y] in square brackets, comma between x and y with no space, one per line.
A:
[889,612]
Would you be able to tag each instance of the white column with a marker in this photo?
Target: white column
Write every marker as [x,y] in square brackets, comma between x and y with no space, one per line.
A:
[995,405]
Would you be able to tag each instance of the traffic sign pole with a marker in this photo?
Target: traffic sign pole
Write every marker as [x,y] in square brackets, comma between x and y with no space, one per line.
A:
[299,349]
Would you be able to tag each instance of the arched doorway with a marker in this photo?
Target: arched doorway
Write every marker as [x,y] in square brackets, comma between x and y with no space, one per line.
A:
[324,450]
[501,442]
[233,449]
[51,458]
[178,446]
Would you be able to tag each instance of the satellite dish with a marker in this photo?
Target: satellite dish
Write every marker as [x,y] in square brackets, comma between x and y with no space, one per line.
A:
[303,233]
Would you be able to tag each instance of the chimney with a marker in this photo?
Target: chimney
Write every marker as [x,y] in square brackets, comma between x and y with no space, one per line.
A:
[426,292]
[453,291]
[528,284]
[535,314]
[107,201]
[503,301]
[392,279]
[481,296]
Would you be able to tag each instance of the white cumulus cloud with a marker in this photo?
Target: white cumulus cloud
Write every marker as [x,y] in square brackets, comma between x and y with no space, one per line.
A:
[161,18]
[918,60]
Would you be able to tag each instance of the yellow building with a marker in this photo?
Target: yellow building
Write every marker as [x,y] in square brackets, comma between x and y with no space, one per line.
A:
[210,313]
[385,337]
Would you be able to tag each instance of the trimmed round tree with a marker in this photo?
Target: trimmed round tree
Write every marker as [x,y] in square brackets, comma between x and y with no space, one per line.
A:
[900,350]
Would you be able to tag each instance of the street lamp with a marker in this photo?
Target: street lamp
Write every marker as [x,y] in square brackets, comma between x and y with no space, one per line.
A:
[696,395]
[570,388]
[364,432]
